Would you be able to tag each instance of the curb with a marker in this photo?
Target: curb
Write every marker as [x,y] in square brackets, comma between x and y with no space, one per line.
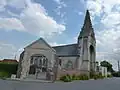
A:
[24,80]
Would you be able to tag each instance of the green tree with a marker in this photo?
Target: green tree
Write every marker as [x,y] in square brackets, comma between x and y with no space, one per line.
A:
[108,65]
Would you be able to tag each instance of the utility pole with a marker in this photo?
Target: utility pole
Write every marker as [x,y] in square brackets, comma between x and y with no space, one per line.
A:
[15,57]
[118,66]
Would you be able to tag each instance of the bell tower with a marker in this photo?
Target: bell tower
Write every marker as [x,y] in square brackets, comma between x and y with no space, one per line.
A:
[87,46]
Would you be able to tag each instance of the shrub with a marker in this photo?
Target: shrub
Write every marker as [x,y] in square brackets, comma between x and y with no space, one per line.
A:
[66,78]
[69,78]
[95,77]
[116,74]
[109,76]
[98,76]
[83,77]
[74,77]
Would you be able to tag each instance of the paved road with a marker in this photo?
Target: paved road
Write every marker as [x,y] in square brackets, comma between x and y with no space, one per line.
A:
[106,84]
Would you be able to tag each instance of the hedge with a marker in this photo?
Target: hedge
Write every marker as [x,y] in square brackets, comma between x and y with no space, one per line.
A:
[116,74]
[9,68]
[69,78]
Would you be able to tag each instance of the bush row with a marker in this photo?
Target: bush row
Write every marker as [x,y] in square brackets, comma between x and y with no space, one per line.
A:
[109,76]
[116,74]
[98,76]
[69,78]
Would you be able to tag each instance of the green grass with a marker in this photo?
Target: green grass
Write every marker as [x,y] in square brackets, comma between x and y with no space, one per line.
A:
[4,74]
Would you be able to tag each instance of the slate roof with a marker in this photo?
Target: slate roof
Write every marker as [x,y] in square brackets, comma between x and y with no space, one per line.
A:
[66,50]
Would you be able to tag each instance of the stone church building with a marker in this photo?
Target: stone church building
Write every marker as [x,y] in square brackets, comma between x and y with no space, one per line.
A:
[77,58]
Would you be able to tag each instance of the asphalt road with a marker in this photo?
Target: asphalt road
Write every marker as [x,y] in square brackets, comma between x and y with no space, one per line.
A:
[106,84]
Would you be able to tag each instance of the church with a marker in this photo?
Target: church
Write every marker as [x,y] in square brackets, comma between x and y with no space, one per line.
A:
[76,58]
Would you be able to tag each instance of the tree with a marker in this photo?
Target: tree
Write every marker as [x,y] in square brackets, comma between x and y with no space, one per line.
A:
[108,65]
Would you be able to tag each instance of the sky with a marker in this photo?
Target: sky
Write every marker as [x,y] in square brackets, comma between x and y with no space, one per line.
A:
[59,22]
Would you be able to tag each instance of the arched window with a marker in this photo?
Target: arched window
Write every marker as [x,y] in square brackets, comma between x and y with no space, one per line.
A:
[40,61]
[69,65]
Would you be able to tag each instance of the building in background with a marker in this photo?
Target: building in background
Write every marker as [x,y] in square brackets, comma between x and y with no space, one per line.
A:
[9,61]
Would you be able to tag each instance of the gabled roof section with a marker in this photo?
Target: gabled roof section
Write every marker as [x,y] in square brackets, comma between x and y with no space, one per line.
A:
[40,40]
[66,50]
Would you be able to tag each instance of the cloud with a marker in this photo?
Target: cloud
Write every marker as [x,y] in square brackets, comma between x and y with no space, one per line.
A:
[113,18]
[7,50]
[2,4]
[36,21]
[80,13]
[11,24]
[12,3]
[17,3]
[56,44]
[33,19]
[60,6]
[94,7]
[60,3]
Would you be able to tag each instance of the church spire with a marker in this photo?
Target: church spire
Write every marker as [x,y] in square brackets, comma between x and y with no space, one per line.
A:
[87,26]
[87,21]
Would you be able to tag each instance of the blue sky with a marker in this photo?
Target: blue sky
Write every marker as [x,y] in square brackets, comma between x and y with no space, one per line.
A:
[59,22]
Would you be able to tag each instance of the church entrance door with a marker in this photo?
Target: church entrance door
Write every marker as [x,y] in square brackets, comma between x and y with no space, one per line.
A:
[38,67]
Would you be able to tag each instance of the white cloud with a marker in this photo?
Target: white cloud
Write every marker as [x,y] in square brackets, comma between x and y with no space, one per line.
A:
[60,6]
[94,7]
[107,45]
[17,3]
[33,19]
[56,44]
[113,18]
[60,2]
[36,21]
[2,4]
[13,3]
[11,24]
[80,13]
[7,50]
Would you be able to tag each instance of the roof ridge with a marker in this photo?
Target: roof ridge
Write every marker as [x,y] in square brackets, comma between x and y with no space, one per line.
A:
[65,45]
